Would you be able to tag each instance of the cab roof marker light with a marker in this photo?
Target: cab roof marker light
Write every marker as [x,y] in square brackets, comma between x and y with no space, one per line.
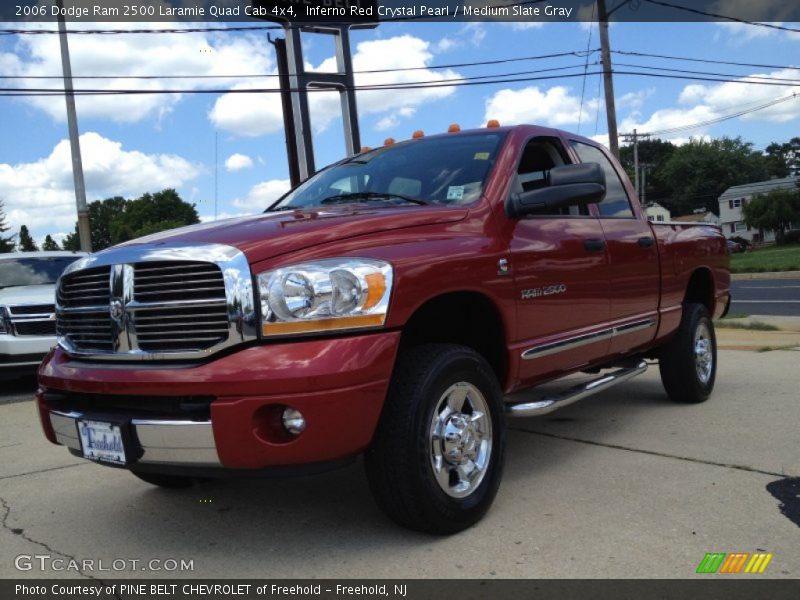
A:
[388,141]
[493,124]
[418,134]
[365,149]
[454,128]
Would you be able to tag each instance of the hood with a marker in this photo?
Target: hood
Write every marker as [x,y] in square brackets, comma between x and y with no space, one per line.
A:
[28,294]
[268,235]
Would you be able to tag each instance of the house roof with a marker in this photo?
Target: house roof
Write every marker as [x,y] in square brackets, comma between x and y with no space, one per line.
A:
[759,187]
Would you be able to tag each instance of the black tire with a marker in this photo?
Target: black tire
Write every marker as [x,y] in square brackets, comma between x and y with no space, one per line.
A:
[400,462]
[679,362]
[166,481]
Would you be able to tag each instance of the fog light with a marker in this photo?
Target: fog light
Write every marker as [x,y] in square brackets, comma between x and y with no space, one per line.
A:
[293,421]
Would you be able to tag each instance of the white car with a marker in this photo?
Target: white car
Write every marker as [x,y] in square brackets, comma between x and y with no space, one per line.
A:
[27,307]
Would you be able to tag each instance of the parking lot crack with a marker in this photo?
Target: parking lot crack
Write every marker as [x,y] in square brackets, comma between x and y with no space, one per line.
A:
[43,471]
[651,452]
[21,533]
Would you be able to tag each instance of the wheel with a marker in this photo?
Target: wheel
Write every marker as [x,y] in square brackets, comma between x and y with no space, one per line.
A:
[437,457]
[166,481]
[688,362]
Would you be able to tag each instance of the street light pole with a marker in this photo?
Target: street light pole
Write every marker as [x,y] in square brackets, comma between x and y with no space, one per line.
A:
[84,230]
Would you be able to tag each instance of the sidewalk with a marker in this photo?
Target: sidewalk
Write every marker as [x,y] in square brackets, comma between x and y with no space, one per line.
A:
[770,275]
[787,336]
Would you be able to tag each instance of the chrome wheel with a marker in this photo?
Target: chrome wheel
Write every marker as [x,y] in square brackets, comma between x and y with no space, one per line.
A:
[703,353]
[460,439]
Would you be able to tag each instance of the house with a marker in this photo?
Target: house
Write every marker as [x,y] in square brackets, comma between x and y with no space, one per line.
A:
[656,213]
[732,200]
[700,217]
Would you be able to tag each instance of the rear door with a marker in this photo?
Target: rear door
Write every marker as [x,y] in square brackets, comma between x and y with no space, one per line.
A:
[560,269]
[634,270]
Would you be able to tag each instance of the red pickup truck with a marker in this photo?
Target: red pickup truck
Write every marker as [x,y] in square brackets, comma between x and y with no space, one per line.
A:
[402,303]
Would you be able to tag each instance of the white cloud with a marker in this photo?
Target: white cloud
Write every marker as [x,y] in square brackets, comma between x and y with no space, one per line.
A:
[262,195]
[41,195]
[554,106]
[635,100]
[248,115]
[237,162]
[392,120]
[128,55]
[525,25]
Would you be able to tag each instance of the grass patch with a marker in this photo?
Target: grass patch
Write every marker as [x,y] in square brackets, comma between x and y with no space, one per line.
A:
[752,325]
[773,258]
[736,316]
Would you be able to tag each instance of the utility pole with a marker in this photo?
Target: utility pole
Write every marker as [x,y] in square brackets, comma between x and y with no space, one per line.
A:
[634,138]
[84,230]
[608,80]
[644,184]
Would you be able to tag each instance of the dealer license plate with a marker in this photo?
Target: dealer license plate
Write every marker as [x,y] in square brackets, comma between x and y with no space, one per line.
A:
[102,441]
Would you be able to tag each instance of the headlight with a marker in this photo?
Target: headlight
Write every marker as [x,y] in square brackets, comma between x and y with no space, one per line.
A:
[325,295]
[4,325]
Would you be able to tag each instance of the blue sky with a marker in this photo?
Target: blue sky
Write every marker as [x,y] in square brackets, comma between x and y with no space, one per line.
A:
[136,144]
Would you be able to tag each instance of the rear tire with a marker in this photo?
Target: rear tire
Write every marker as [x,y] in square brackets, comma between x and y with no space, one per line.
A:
[437,457]
[166,481]
[688,362]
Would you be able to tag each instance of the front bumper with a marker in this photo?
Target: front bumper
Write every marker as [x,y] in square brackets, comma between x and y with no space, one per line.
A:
[18,352]
[338,384]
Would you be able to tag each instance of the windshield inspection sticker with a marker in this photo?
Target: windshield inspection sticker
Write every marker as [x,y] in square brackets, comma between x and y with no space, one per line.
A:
[481,156]
[455,192]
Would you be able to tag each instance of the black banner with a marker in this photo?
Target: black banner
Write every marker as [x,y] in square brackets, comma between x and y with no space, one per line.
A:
[375,11]
[706,587]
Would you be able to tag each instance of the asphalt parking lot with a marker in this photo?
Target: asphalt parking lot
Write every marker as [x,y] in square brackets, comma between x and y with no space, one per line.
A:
[625,484]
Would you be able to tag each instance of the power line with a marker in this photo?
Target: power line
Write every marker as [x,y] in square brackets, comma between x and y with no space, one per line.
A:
[140,31]
[576,53]
[727,117]
[748,77]
[707,60]
[722,17]
[459,82]
[585,69]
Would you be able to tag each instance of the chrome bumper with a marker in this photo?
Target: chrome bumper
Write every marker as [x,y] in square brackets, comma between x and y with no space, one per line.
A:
[189,443]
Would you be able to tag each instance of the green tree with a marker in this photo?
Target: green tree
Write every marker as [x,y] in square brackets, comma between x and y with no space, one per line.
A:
[72,241]
[49,244]
[654,154]
[776,210]
[26,243]
[116,220]
[698,172]
[783,160]
[6,242]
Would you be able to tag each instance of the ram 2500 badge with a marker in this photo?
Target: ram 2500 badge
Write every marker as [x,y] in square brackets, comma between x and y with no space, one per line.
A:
[402,303]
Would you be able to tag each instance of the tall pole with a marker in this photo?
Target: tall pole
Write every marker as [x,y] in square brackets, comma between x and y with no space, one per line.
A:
[608,81]
[84,230]
[216,172]
[636,162]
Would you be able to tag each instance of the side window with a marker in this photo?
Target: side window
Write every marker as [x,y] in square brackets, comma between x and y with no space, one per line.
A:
[541,155]
[616,202]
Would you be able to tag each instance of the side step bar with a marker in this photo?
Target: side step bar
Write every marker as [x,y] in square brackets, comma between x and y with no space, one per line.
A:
[550,403]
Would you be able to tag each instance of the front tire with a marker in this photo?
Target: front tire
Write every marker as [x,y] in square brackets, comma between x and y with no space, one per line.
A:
[437,457]
[688,362]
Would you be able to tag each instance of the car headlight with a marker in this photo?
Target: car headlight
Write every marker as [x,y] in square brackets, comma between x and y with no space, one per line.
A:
[325,295]
[4,325]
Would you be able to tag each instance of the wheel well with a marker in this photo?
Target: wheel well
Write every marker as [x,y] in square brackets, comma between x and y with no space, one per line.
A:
[467,318]
[701,289]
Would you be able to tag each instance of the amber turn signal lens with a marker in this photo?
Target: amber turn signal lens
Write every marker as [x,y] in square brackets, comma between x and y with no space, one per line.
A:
[317,325]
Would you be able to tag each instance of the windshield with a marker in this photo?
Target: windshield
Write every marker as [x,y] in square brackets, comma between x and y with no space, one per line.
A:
[32,271]
[441,170]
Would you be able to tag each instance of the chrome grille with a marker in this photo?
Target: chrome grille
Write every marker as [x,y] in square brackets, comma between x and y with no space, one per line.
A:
[154,302]
[170,326]
[32,310]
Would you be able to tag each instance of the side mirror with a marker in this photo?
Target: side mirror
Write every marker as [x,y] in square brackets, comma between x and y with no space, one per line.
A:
[570,185]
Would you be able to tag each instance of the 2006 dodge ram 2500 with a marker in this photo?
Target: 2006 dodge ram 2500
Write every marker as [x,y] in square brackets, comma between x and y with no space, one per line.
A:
[402,303]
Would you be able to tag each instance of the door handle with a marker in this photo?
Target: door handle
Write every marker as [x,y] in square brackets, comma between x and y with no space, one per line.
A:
[594,245]
[646,242]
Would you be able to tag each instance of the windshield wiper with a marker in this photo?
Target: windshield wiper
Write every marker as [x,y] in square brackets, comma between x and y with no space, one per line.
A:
[370,196]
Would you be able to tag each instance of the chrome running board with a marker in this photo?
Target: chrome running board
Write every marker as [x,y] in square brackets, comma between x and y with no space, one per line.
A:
[550,403]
